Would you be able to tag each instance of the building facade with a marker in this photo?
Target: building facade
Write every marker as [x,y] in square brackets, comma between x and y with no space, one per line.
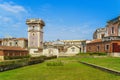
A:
[113,27]
[99,33]
[18,42]
[10,51]
[110,43]
[79,43]
[35,36]
[65,47]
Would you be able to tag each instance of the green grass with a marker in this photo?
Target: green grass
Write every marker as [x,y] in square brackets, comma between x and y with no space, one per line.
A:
[70,70]
[109,62]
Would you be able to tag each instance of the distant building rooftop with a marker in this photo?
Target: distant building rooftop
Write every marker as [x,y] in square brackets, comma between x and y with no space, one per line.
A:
[13,39]
[72,40]
[11,48]
[21,39]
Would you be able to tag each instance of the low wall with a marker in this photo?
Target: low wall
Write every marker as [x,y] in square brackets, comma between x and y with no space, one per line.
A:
[61,55]
[115,54]
[102,68]
[1,58]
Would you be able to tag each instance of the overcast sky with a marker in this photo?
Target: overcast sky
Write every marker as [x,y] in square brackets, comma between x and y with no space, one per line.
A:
[64,19]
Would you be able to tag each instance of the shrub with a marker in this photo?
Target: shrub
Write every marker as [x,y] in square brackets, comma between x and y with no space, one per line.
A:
[57,63]
[97,54]
[12,64]
[91,54]
[15,57]
[35,60]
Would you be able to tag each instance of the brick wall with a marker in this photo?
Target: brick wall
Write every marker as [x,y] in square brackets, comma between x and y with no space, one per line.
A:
[98,47]
[116,29]
[15,53]
[113,46]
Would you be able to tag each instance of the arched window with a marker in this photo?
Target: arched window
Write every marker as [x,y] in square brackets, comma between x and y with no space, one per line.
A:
[33,27]
[112,30]
[16,43]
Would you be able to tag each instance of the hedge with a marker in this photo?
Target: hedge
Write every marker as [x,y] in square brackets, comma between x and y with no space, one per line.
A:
[92,53]
[12,64]
[15,57]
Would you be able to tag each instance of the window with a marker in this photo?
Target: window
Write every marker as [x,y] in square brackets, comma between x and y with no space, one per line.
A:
[89,48]
[80,49]
[73,49]
[10,43]
[119,30]
[33,27]
[107,47]
[102,35]
[98,48]
[33,34]
[112,30]
[16,43]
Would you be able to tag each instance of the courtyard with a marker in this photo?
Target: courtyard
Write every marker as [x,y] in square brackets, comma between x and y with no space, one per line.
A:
[64,69]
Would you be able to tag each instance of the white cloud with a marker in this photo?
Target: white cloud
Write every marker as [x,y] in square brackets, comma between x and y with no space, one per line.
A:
[5,19]
[82,31]
[12,18]
[10,7]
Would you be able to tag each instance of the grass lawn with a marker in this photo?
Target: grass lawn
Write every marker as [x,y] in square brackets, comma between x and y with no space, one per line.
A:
[109,62]
[71,70]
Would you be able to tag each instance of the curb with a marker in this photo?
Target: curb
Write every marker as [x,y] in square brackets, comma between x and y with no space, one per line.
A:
[102,68]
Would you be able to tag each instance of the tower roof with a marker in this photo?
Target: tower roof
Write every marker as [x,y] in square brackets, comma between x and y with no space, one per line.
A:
[35,21]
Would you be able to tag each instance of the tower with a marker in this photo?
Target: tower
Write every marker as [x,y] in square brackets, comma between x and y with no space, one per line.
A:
[35,36]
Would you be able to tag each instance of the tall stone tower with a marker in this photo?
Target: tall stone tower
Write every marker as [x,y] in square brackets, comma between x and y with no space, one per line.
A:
[35,36]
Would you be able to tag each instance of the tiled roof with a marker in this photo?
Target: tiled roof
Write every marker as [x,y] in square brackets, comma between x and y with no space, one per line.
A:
[21,39]
[11,48]
[72,40]
[96,41]
[14,39]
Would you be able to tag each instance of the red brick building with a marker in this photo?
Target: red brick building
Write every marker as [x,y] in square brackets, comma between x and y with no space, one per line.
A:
[110,43]
[112,47]
[113,27]
[7,51]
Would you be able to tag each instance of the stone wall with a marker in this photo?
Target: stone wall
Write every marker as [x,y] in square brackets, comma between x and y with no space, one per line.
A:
[50,52]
